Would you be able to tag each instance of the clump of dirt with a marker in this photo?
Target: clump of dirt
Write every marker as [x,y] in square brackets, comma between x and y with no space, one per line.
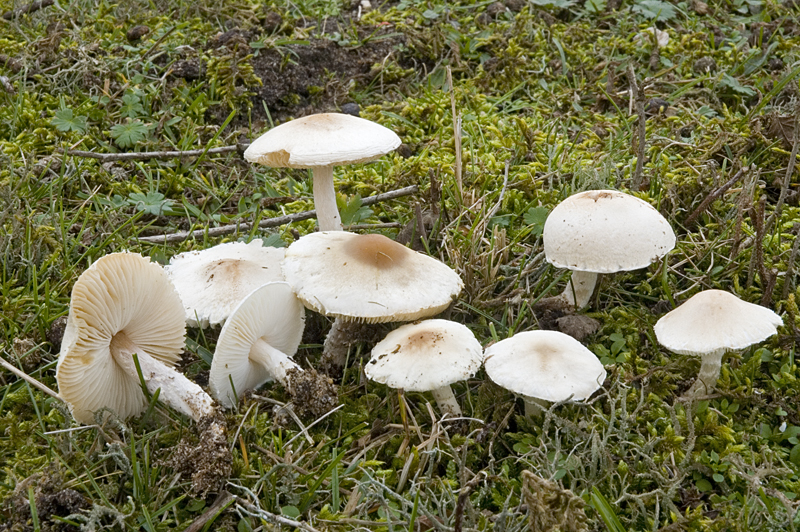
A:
[301,79]
[49,496]
[313,393]
[208,460]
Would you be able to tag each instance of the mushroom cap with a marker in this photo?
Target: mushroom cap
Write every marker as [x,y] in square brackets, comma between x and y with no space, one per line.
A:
[715,321]
[213,281]
[546,365]
[605,231]
[368,278]
[271,313]
[326,139]
[425,356]
[119,293]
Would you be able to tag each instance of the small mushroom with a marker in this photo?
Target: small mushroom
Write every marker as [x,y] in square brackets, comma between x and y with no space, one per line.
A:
[603,231]
[320,142]
[427,356]
[256,344]
[213,281]
[542,367]
[709,324]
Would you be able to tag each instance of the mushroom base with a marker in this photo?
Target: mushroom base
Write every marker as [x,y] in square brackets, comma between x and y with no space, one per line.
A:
[446,401]
[325,199]
[176,390]
[579,289]
[707,377]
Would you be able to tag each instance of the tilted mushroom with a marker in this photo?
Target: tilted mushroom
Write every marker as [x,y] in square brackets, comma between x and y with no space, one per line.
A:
[213,281]
[709,324]
[366,279]
[256,344]
[427,356]
[542,367]
[603,231]
[320,142]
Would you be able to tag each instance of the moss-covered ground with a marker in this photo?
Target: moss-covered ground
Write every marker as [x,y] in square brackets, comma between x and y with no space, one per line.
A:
[543,90]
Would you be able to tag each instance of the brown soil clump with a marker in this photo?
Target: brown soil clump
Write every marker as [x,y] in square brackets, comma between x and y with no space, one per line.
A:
[313,393]
[208,460]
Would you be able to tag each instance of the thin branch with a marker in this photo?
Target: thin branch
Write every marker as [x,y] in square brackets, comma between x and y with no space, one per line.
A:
[638,97]
[30,380]
[146,155]
[253,511]
[789,169]
[225,498]
[270,222]
[456,134]
[711,197]
[27,8]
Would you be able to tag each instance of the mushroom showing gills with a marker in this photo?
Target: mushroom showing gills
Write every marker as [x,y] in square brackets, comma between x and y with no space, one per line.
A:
[255,347]
[212,282]
[709,324]
[542,367]
[366,278]
[603,231]
[321,142]
[427,356]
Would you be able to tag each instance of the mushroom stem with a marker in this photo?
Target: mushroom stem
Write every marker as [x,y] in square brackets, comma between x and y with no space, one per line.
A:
[707,376]
[535,408]
[579,289]
[446,401]
[337,344]
[176,390]
[325,199]
[276,362]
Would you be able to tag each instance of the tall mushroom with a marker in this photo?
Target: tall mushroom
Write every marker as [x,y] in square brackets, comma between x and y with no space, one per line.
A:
[427,356]
[366,279]
[544,366]
[709,324]
[213,281]
[603,231]
[321,142]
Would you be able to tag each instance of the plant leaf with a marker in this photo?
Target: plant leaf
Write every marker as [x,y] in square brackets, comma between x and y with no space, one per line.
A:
[128,134]
[65,120]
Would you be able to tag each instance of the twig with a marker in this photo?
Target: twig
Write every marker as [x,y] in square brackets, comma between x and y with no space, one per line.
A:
[788,280]
[145,155]
[7,86]
[224,499]
[638,97]
[28,8]
[776,215]
[30,380]
[711,197]
[270,222]
[253,511]
[463,496]
[456,134]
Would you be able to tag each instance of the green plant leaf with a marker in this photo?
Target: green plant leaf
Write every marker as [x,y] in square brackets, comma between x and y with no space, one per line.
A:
[352,211]
[655,9]
[128,134]
[131,106]
[65,120]
[152,203]
[536,216]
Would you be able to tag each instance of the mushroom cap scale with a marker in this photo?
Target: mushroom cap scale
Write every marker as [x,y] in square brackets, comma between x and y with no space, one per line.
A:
[211,282]
[605,231]
[271,314]
[122,296]
[326,139]
[368,278]
[545,365]
[425,356]
[715,321]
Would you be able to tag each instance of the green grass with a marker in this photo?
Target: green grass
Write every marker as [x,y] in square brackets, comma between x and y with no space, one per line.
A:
[541,91]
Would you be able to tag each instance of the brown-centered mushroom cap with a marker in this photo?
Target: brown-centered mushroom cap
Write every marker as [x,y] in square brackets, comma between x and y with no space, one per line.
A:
[368,278]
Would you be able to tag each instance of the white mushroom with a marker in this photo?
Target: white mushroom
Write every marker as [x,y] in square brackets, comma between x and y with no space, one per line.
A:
[544,366]
[427,356]
[212,282]
[122,305]
[709,324]
[603,231]
[321,142]
[256,343]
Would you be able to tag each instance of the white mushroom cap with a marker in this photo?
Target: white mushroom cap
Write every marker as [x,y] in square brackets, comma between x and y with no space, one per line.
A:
[545,365]
[270,319]
[368,278]
[122,297]
[326,139]
[605,231]
[213,281]
[715,321]
[425,356]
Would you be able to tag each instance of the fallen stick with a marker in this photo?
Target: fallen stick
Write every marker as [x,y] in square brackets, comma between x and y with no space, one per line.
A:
[269,222]
[145,155]
[638,97]
[30,380]
[27,8]
[711,197]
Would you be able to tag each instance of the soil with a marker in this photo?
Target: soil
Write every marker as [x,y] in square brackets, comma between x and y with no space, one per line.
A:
[313,393]
[209,460]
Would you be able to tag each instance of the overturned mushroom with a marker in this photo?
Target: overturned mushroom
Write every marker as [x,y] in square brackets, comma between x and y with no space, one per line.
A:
[427,356]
